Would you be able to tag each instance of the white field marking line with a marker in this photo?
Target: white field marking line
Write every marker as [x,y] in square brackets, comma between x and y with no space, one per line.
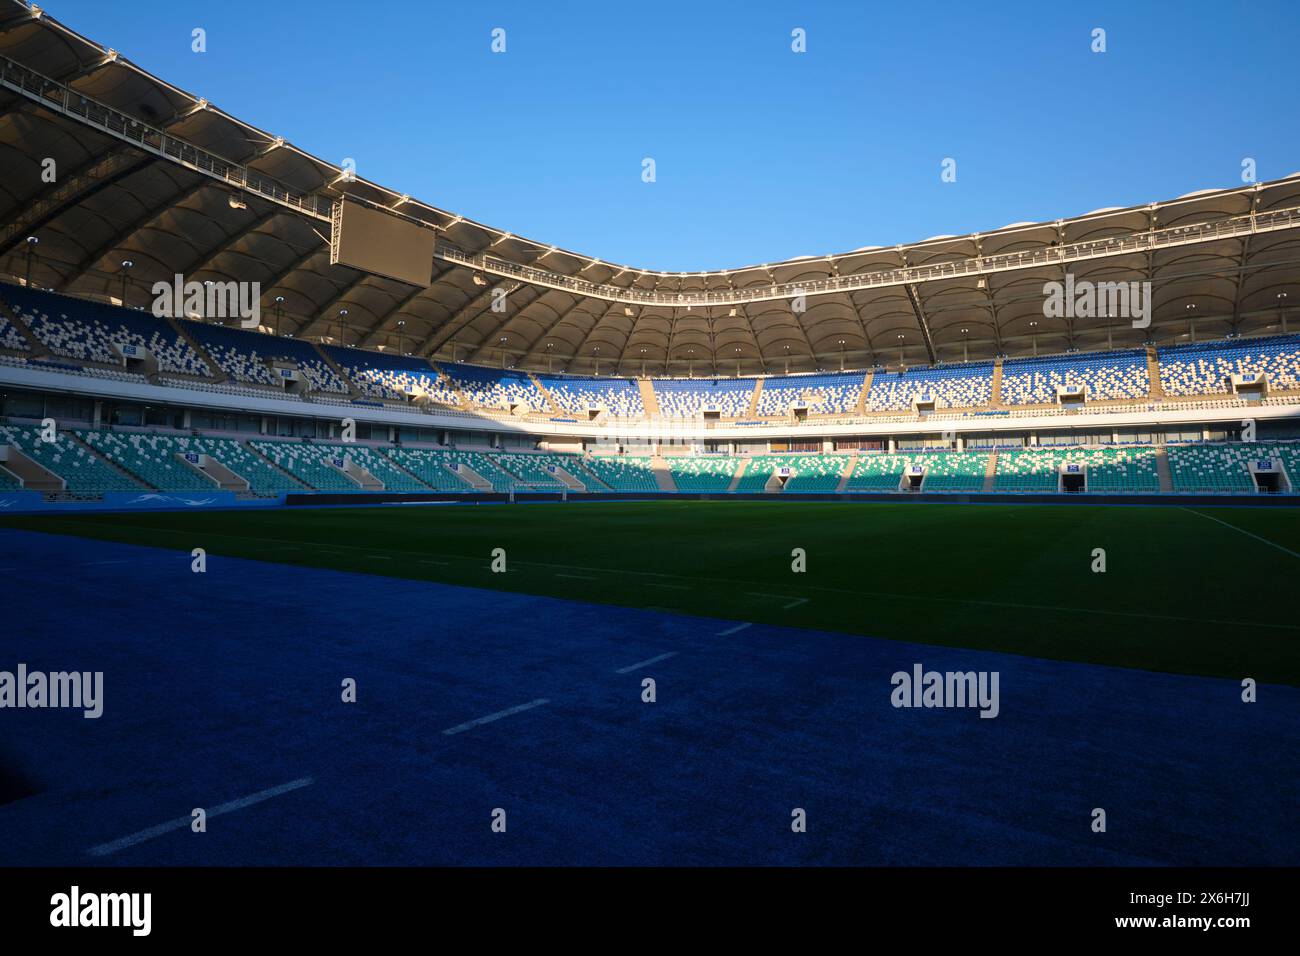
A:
[442,563]
[734,630]
[576,577]
[671,587]
[794,601]
[380,557]
[104,849]
[811,587]
[639,664]
[508,712]
[1272,544]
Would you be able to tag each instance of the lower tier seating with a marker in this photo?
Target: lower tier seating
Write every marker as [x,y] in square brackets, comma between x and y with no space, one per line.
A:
[702,474]
[151,458]
[1110,470]
[621,473]
[1225,468]
[815,474]
[313,464]
[86,473]
[943,471]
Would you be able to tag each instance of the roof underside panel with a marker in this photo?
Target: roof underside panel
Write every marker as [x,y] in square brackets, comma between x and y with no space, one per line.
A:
[112,203]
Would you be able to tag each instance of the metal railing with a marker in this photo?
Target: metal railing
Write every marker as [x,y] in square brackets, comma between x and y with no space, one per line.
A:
[122,126]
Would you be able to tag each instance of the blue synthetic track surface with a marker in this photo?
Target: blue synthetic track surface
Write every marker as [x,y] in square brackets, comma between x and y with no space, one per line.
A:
[222,685]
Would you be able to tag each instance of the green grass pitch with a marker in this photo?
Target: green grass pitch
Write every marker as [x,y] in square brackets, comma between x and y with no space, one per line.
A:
[1198,591]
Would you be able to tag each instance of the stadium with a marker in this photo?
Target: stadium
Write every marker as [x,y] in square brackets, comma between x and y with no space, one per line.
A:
[357,505]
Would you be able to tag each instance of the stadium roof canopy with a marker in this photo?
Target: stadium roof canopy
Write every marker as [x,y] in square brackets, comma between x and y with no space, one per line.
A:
[152,175]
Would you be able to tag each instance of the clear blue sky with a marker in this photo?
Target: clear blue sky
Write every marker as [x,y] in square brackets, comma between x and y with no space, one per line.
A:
[761,153]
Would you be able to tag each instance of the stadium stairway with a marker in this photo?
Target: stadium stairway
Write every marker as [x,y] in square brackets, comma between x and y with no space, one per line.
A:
[473,478]
[36,346]
[275,466]
[991,472]
[663,477]
[394,462]
[995,392]
[1162,457]
[358,473]
[740,471]
[73,437]
[752,411]
[1157,391]
[861,408]
[214,367]
[570,480]
[451,386]
[222,475]
[848,471]
[648,397]
[592,480]
[551,406]
[27,472]
[339,370]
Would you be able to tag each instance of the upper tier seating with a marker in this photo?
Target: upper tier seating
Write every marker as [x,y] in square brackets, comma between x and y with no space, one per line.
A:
[814,474]
[1111,375]
[950,386]
[835,394]
[86,474]
[311,463]
[393,377]
[1110,470]
[621,473]
[245,354]
[80,329]
[702,474]
[575,394]
[1206,369]
[10,337]
[687,398]
[494,388]
[944,471]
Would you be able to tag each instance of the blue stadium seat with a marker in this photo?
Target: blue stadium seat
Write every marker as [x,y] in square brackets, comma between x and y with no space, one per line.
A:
[1206,368]
[494,388]
[948,386]
[571,393]
[1104,376]
[393,377]
[245,355]
[689,398]
[90,331]
[834,394]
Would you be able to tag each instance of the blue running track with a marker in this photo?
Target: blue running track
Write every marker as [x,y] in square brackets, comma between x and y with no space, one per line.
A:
[222,691]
